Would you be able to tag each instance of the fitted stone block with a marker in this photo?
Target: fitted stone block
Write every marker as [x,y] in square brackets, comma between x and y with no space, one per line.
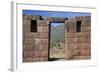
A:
[31,35]
[42,23]
[82,18]
[43,47]
[36,47]
[87,18]
[84,46]
[55,19]
[40,28]
[43,59]
[27,17]
[36,59]
[26,22]
[81,57]
[85,24]
[28,47]
[43,29]
[70,35]
[85,52]
[37,53]
[83,40]
[72,46]
[27,59]
[29,42]
[72,53]
[45,41]
[79,18]
[86,29]
[71,40]
[37,41]
[28,54]
[71,26]
[35,17]
[43,35]
[82,35]
[44,54]
[46,29]
[26,29]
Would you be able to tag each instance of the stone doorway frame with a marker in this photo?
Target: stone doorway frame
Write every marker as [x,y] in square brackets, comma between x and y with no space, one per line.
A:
[56,20]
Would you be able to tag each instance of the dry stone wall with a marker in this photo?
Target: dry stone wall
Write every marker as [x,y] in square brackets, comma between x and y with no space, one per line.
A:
[78,43]
[36,42]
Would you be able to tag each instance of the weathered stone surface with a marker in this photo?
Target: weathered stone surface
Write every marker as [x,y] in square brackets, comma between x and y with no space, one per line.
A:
[27,59]
[44,54]
[40,29]
[70,35]
[26,22]
[72,53]
[71,40]
[37,41]
[86,18]
[31,35]
[81,57]
[72,47]
[29,41]
[42,23]
[28,54]
[85,29]
[83,40]
[46,29]
[85,52]
[82,18]
[43,47]
[27,17]
[26,29]
[86,24]
[45,41]
[36,45]
[79,18]
[36,59]
[27,47]
[43,59]
[71,26]
[43,28]
[55,19]
[35,17]
[84,46]
[37,54]
[82,35]
[43,35]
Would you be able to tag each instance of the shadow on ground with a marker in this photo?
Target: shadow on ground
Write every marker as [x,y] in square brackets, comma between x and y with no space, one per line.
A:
[55,59]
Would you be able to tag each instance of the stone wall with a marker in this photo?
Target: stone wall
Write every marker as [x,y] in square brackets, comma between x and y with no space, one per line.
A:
[36,44]
[78,43]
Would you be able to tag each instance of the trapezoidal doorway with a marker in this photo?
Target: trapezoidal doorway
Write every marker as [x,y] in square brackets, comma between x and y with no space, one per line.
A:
[56,42]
